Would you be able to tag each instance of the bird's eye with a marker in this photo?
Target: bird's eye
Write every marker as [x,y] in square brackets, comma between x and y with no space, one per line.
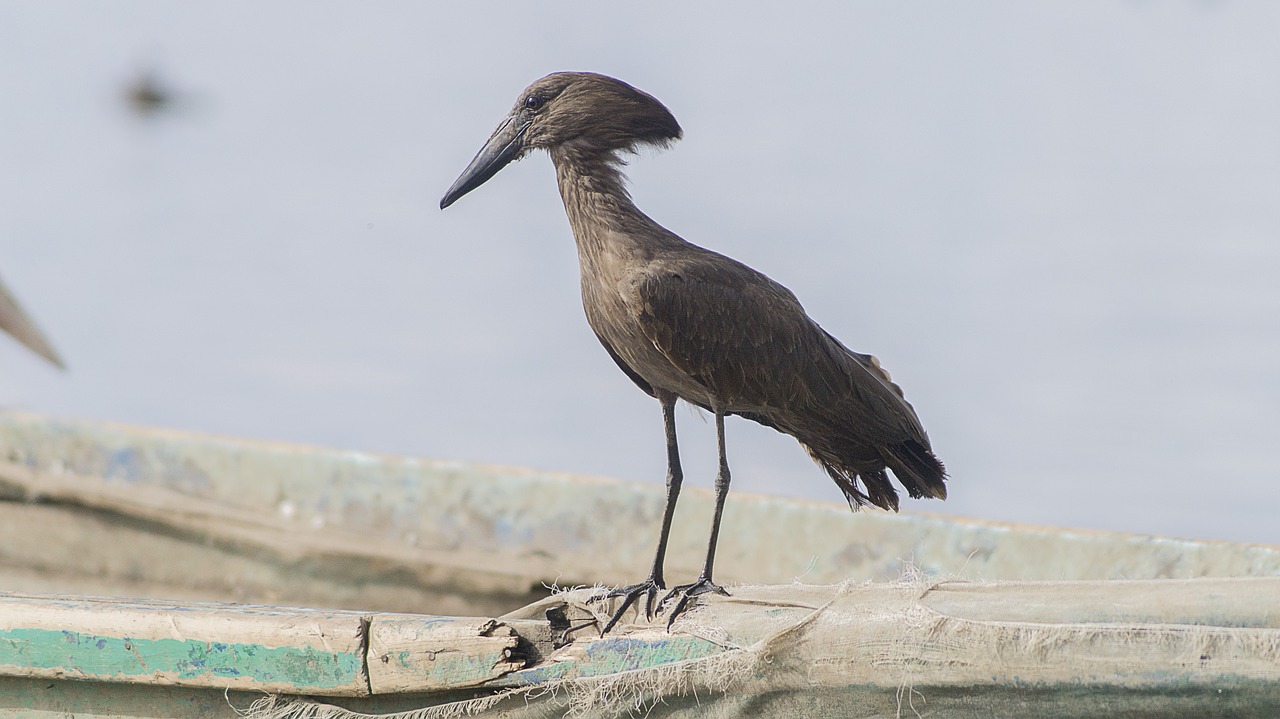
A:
[533,102]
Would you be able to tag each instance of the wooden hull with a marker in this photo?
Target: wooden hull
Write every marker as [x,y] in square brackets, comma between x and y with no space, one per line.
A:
[416,562]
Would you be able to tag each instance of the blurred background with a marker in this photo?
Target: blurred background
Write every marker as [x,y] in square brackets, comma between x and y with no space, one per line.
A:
[1055,224]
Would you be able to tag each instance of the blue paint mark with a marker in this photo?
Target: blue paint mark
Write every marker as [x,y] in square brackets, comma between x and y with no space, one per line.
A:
[123,464]
[506,532]
[622,645]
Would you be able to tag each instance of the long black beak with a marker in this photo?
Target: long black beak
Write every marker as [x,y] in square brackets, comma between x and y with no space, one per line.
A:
[506,144]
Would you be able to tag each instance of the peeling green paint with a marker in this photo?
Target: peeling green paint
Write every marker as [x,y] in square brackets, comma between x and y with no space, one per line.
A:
[91,656]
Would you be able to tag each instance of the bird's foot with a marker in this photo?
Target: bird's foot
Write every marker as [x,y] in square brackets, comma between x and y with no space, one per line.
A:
[648,589]
[687,592]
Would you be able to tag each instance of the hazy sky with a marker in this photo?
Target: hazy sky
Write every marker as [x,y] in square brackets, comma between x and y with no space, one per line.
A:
[1055,224]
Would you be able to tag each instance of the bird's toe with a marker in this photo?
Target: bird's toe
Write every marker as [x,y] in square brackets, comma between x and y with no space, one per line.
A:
[686,593]
[648,589]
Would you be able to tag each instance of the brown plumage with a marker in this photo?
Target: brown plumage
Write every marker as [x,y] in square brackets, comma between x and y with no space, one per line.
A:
[685,322]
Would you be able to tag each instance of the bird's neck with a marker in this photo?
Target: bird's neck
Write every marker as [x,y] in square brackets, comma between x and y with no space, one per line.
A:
[607,225]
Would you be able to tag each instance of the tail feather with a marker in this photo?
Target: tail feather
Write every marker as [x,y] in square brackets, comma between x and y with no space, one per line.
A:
[917,468]
[862,482]
[858,468]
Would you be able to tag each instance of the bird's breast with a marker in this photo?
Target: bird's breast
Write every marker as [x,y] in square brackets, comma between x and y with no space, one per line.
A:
[620,319]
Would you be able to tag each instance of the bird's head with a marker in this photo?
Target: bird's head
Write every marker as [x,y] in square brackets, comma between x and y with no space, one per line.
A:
[588,113]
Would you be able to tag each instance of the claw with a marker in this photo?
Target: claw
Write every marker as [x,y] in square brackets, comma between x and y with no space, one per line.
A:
[648,589]
[687,592]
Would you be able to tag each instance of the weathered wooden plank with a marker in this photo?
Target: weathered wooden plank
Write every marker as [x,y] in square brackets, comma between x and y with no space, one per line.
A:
[244,647]
[67,549]
[202,645]
[1129,647]
[515,528]
[411,653]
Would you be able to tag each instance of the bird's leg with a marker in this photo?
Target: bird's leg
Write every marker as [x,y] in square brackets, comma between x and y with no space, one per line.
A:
[703,585]
[650,587]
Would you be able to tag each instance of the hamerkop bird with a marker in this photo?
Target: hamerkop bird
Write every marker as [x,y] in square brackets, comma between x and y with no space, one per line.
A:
[687,323]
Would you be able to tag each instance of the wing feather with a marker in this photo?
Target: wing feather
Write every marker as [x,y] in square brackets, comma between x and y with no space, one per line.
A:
[748,341]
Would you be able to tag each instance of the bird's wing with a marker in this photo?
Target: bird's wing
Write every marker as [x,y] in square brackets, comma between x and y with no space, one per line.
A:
[748,340]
